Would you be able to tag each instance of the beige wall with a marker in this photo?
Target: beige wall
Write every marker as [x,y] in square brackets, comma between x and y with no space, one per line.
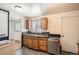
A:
[54,22]
[70,26]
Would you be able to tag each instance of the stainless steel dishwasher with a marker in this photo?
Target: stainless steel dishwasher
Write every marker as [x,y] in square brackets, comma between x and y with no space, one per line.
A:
[53,45]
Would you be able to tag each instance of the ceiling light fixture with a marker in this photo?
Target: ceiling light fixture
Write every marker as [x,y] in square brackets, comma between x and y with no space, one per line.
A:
[18,8]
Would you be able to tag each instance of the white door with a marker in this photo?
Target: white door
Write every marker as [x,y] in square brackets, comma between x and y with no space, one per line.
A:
[70,32]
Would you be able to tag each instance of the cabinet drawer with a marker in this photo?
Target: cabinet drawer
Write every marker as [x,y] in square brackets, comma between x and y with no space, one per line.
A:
[43,42]
[43,48]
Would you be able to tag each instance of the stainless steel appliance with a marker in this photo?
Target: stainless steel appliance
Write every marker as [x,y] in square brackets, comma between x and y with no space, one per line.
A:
[53,45]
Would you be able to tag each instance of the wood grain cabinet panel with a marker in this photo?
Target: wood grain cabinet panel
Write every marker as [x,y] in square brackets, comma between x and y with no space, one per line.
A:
[25,41]
[43,48]
[30,44]
[35,43]
[27,24]
[44,23]
[43,44]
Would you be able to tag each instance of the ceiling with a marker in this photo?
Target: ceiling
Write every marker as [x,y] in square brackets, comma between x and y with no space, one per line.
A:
[38,9]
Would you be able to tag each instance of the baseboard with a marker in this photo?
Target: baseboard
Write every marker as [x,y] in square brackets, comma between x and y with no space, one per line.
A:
[15,40]
[70,52]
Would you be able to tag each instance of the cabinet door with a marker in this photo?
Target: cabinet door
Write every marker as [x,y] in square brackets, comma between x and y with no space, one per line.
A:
[30,41]
[43,41]
[27,24]
[43,48]
[44,23]
[25,41]
[43,44]
[35,43]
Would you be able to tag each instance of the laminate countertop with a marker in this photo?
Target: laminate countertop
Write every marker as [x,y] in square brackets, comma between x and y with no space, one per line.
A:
[37,35]
[42,35]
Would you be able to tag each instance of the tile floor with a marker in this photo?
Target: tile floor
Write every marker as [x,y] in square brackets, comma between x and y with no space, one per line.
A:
[26,51]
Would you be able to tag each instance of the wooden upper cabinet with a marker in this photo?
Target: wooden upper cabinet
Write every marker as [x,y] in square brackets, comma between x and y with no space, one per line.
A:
[27,24]
[44,23]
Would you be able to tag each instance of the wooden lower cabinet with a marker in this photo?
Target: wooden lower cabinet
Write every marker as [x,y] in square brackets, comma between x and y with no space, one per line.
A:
[37,43]
[30,42]
[25,42]
[43,48]
[43,44]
